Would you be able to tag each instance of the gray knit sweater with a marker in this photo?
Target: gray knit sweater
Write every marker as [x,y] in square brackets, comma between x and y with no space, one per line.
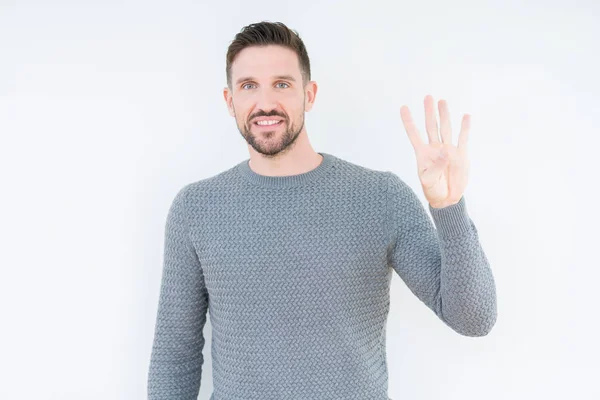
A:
[295,273]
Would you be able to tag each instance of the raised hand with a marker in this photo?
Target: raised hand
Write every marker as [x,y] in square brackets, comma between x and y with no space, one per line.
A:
[443,168]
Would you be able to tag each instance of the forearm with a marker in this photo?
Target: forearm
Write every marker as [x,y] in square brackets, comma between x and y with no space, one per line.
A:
[467,287]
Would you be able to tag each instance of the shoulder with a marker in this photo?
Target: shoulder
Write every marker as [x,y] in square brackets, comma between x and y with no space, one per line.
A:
[361,175]
[224,180]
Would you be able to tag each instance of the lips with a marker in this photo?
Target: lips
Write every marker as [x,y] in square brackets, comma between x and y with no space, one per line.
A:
[268,125]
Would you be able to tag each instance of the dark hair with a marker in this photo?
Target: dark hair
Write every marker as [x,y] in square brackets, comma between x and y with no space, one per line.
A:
[266,33]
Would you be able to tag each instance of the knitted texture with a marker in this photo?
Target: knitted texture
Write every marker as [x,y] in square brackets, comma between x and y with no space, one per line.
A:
[295,273]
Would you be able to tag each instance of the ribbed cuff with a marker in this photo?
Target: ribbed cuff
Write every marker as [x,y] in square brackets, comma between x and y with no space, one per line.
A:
[452,220]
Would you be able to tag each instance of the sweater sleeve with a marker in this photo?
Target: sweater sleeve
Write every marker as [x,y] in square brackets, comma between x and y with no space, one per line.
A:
[444,264]
[176,360]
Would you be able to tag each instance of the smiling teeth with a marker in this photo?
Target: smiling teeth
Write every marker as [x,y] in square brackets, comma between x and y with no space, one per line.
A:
[272,122]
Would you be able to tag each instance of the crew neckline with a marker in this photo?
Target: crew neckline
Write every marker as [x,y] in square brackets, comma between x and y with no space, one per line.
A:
[288,180]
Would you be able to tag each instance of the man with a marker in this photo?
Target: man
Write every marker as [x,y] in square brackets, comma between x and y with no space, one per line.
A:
[293,250]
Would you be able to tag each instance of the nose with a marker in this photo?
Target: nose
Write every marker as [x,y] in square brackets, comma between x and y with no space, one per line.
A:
[266,100]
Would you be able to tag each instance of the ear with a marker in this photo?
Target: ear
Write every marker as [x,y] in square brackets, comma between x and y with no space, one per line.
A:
[311,93]
[228,100]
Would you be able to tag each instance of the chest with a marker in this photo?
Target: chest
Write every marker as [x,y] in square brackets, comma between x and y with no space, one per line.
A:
[286,249]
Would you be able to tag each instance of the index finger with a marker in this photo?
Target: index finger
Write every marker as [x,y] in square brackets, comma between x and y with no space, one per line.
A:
[411,128]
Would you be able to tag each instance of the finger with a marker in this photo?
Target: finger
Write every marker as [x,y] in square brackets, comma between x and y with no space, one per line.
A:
[431,120]
[445,129]
[464,132]
[411,128]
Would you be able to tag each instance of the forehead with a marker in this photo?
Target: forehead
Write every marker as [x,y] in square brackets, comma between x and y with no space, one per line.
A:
[265,62]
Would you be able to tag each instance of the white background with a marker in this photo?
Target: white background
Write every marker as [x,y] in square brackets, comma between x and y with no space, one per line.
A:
[107,108]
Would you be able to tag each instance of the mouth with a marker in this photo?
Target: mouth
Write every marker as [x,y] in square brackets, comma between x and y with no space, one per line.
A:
[269,125]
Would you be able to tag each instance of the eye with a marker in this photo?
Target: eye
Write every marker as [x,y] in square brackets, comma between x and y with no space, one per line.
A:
[278,83]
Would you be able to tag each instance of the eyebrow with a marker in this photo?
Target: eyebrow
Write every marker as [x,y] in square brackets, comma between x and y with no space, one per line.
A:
[250,78]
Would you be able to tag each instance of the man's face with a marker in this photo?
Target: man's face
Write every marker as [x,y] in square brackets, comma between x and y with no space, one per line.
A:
[266,84]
